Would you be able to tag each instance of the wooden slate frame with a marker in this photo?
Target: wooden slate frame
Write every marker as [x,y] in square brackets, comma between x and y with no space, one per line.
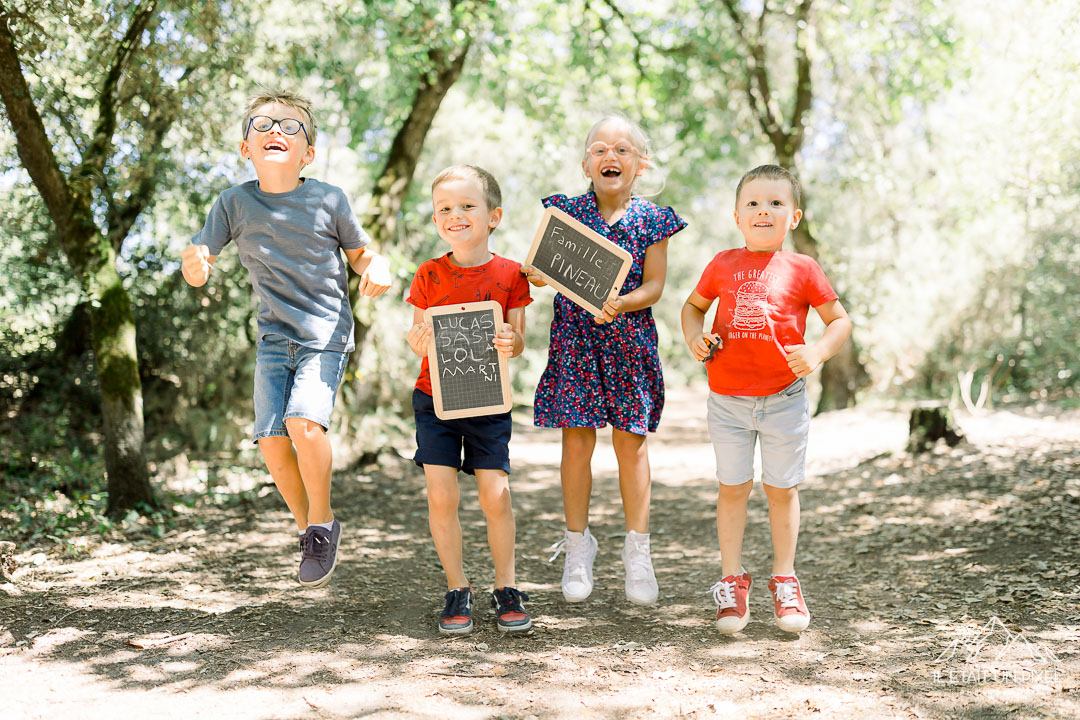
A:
[541,245]
[436,367]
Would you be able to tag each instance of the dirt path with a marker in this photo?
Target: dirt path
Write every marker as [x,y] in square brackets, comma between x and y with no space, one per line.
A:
[906,562]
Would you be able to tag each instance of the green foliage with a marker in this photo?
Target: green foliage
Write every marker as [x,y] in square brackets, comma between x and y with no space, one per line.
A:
[942,195]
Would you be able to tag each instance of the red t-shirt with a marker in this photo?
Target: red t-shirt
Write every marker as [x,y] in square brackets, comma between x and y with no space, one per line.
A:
[440,282]
[762,303]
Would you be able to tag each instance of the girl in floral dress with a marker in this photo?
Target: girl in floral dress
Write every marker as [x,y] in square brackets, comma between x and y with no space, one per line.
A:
[606,370]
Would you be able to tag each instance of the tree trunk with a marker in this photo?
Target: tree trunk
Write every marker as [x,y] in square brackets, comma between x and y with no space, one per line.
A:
[929,423]
[381,218]
[843,374]
[93,262]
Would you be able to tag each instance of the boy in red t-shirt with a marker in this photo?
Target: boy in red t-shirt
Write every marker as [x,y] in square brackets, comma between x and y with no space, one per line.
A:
[757,360]
[467,203]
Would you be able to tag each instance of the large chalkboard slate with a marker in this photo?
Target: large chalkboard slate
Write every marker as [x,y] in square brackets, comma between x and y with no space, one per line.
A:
[577,261]
[468,376]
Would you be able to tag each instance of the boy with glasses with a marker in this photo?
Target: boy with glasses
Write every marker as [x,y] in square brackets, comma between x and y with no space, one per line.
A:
[290,232]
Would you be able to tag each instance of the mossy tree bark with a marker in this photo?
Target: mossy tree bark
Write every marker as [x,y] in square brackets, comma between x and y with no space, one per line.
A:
[91,257]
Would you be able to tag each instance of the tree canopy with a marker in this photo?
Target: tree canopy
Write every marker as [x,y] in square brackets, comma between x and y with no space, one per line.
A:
[939,188]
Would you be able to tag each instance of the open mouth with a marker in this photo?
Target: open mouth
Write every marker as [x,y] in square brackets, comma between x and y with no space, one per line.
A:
[611,172]
[763,224]
[278,145]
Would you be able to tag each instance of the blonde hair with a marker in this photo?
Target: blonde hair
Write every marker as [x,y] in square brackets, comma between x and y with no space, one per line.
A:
[283,97]
[490,186]
[771,172]
[638,138]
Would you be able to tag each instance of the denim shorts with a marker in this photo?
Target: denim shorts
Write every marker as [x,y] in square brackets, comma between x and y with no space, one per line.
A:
[781,423]
[292,380]
[485,439]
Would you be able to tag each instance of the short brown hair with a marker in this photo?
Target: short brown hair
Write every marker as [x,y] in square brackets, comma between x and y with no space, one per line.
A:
[287,98]
[490,186]
[771,172]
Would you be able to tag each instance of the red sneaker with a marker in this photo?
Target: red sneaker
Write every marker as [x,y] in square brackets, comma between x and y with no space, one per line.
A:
[457,617]
[732,595]
[789,608]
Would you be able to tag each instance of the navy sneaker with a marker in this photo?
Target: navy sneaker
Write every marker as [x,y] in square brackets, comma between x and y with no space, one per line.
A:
[511,616]
[318,554]
[457,616]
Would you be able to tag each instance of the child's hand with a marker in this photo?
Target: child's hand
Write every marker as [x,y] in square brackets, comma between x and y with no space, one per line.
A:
[802,359]
[376,278]
[533,276]
[196,264]
[420,337]
[504,340]
[612,309]
[702,345]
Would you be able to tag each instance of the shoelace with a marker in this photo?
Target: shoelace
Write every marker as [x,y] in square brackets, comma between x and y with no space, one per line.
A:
[724,594]
[509,600]
[786,595]
[455,601]
[575,556]
[314,545]
[558,548]
[640,565]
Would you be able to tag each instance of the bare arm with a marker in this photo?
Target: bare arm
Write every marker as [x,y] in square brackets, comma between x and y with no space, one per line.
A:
[653,276]
[419,334]
[373,269]
[693,325]
[805,359]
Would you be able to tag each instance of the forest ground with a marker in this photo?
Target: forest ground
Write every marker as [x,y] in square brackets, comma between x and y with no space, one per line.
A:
[941,585]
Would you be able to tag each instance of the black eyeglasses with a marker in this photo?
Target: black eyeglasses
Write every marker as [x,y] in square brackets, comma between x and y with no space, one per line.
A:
[289,126]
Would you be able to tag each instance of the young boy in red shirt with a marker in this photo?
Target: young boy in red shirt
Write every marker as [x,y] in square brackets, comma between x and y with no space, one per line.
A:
[757,360]
[467,203]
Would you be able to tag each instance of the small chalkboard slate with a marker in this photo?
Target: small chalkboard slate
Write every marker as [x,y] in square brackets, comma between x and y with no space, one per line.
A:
[578,261]
[468,376]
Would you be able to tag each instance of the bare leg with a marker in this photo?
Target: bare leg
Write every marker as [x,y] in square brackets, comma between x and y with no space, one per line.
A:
[635,484]
[576,470]
[784,524]
[730,524]
[280,459]
[443,498]
[313,457]
[494,487]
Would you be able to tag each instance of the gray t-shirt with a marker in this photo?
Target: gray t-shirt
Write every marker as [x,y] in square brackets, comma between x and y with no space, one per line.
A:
[290,244]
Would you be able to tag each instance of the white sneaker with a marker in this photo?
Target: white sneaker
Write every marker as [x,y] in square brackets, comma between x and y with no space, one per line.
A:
[577,577]
[641,585]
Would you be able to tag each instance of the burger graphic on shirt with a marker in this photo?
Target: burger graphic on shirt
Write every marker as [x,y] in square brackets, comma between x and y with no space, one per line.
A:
[750,301]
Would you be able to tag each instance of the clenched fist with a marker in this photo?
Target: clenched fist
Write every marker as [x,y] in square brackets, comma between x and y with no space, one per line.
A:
[196,264]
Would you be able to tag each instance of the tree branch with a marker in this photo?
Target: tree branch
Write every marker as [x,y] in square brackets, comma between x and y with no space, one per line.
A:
[803,88]
[97,154]
[638,42]
[31,141]
[122,215]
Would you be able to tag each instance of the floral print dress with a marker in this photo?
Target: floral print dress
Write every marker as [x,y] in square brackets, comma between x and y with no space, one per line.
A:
[606,373]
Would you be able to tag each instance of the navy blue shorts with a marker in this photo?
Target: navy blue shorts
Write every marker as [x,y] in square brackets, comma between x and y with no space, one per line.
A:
[485,439]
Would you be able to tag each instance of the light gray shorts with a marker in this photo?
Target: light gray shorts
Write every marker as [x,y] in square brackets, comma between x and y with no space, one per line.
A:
[780,422]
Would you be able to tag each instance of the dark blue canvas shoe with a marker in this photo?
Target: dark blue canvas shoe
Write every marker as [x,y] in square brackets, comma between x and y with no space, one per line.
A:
[511,616]
[457,616]
[318,555]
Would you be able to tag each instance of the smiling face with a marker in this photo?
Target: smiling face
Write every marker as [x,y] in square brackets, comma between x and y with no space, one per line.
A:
[765,211]
[461,215]
[612,161]
[273,151]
